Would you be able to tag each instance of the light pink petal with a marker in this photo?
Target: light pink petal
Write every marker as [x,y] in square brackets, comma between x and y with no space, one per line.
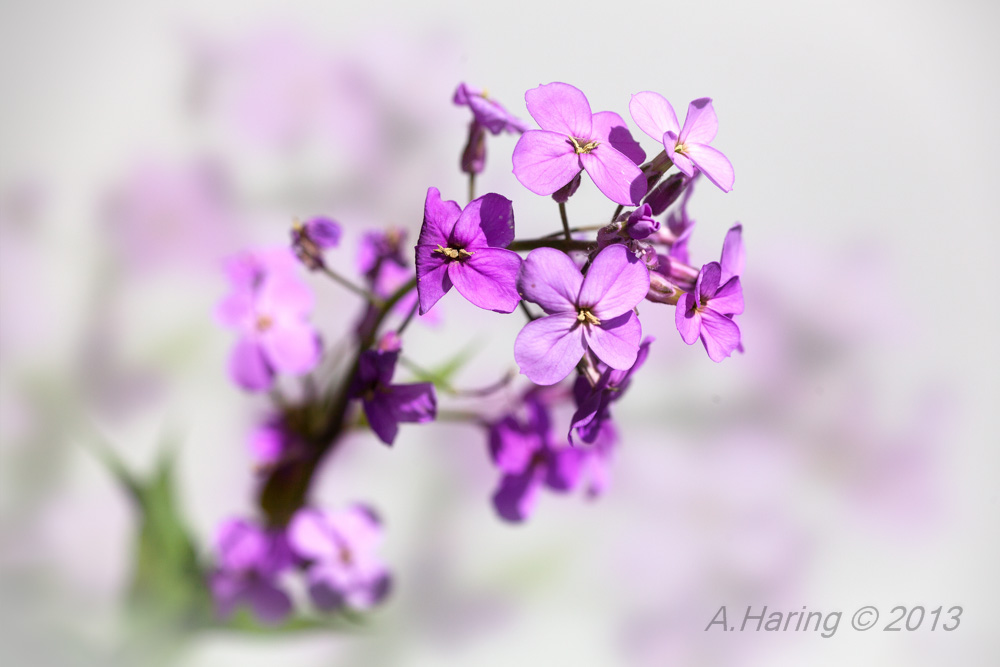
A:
[615,175]
[653,114]
[616,341]
[728,300]
[284,294]
[548,348]
[713,164]
[488,220]
[682,162]
[247,366]
[615,283]
[687,318]
[549,278]
[544,161]
[719,334]
[439,219]
[291,347]
[488,279]
[432,277]
[562,108]
[310,535]
[609,127]
[236,309]
[701,123]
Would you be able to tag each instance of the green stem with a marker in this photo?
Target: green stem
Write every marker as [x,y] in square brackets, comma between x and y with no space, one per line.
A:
[357,289]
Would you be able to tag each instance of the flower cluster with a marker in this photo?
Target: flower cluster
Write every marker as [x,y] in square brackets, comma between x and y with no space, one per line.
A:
[580,349]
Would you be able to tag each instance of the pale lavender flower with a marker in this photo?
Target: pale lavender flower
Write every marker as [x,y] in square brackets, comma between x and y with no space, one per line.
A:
[688,146]
[487,112]
[593,312]
[467,249]
[386,405]
[250,558]
[529,458]
[340,547]
[707,312]
[268,307]
[572,139]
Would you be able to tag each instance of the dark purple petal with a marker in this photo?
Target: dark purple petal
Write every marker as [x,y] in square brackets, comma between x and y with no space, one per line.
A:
[666,193]
[517,495]
[616,282]
[653,114]
[589,401]
[615,175]
[728,300]
[381,419]
[733,253]
[544,161]
[550,278]
[719,334]
[325,596]
[687,318]
[432,277]
[547,349]
[248,366]
[701,123]
[439,219]
[713,164]
[488,278]
[562,195]
[616,341]
[473,159]
[414,403]
[563,468]
[562,108]
[511,448]
[490,216]
[324,232]
[609,127]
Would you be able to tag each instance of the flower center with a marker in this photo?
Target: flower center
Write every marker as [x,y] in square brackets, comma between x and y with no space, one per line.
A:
[581,146]
[587,317]
[454,253]
[264,323]
[681,148]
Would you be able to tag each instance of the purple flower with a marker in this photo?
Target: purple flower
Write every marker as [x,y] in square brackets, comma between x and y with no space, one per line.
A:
[250,559]
[487,112]
[592,312]
[268,306]
[340,547]
[733,253]
[707,313]
[377,248]
[385,404]
[687,147]
[528,458]
[641,223]
[311,239]
[573,138]
[467,249]
[593,402]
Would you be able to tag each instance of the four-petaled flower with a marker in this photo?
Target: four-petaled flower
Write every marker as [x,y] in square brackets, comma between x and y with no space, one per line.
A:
[686,146]
[593,311]
[249,560]
[467,249]
[707,312]
[573,138]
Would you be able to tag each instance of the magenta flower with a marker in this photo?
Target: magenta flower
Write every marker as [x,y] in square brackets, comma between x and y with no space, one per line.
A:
[340,548]
[529,459]
[385,404]
[487,112]
[572,139]
[250,559]
[468,249]
[594,312]
[687,147]
[268,306]
[309,240]
[593,403]
[707,312]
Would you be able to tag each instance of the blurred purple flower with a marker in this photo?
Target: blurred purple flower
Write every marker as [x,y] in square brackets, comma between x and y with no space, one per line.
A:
[385,404]
[707,312]
[593,312]
[340,548]
[487,112]
[467,248]
[572,139]
[687,147]
[250,558]
[593,402]
[268,306]
[309,240]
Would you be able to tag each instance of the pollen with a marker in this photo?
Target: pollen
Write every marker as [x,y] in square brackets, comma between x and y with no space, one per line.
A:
[585,316]
[453,253]
[264,323]
[583,147]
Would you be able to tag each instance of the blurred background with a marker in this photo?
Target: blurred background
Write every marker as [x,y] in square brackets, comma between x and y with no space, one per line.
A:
[847,459]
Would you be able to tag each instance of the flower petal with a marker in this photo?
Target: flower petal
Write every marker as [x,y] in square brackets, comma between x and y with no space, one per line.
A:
[615,175]
[488,220]
[311,536]
[488,278]
[728,299]
[719,335]
[716,166]
[611,128]
[248,367]
[439,219]
[381,419]
[653,114]
[432,277]
[563,469]
[708,281]
[544,161]
[414,403]
[550,278]
[283,294]
[291,347]
[687,318]
[615,283]
[547,349]
[560,107]
[616,341]
[270,604]
[701,123]
[511,448]
[682,162]
[515,498]
[734,255]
